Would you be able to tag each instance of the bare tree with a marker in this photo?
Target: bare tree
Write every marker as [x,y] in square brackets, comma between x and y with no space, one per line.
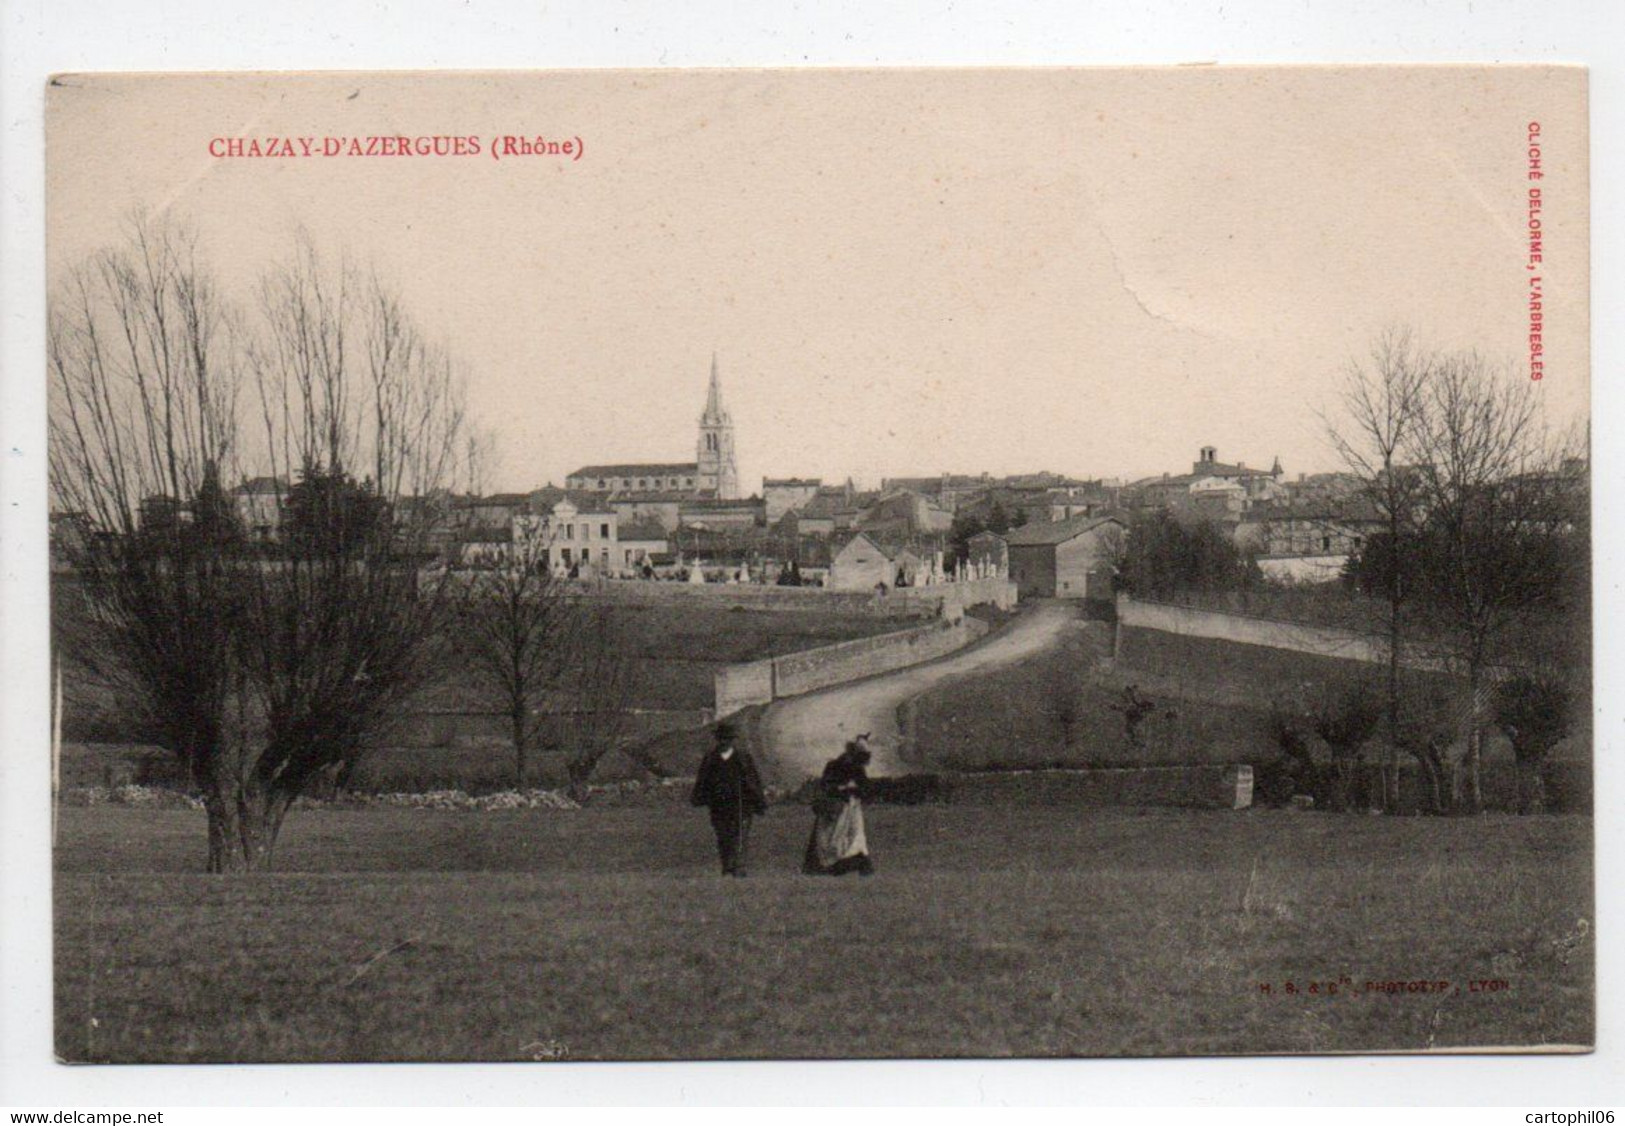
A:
[597,695]
[1381,406]
[515,629]
[1496,540]
[260,666]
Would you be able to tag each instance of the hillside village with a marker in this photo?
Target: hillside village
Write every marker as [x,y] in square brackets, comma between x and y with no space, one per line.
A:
[1054,535]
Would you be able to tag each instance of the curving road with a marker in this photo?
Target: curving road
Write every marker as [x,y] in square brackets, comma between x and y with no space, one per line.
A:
[802,733]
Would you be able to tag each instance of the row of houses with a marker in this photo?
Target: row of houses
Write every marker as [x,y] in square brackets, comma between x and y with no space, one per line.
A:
[631,516]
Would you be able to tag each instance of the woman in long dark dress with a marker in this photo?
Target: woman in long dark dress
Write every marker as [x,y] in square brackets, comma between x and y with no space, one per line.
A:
[838,844]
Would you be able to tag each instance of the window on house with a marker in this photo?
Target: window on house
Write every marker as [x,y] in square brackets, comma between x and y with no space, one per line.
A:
[569,534]
[566,557]
[1325,543]
[601,483]
[603,531]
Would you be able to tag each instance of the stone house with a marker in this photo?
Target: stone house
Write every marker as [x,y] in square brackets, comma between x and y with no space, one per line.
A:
[1308,529]
[1072,558]
[901,515]
[640,542]
[718,515]
[664,508]
[863,563]
[561,535]
[259,502]
[783,495]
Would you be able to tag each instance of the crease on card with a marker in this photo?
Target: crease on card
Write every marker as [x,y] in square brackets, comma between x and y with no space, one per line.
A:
[208,166]
[1128,288]
[1497,215]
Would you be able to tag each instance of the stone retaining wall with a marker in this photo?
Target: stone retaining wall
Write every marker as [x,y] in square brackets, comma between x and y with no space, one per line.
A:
[1319,641]
[949,600]
[1187,787]
[761,682]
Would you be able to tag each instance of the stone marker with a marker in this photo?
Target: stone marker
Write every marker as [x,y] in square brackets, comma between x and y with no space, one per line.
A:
[1238,782]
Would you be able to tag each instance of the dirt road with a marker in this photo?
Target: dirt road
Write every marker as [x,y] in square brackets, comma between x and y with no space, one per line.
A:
[804,732]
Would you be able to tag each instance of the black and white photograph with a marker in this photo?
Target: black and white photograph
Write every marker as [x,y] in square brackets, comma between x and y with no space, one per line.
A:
[830,564]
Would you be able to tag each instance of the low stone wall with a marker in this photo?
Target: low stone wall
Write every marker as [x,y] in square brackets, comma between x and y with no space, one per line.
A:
[948,600]
[1184,787]
[740,686]
[812,669]
[761,682]
[1319,641]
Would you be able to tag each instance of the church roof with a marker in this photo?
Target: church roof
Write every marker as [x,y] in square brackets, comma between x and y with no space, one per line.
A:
[649,496]
[638,469]
[1226,469]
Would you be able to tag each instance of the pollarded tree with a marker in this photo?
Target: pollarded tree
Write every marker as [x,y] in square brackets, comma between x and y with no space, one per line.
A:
[259,668]
[1533,712]
[1345,718]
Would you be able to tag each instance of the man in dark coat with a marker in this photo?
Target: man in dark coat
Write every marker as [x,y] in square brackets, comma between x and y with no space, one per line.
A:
[729,786]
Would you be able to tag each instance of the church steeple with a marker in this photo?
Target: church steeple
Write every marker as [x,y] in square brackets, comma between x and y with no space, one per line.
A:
[718,472]
[714,413]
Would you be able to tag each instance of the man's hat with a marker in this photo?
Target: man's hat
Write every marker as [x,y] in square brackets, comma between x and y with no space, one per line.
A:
[726,730]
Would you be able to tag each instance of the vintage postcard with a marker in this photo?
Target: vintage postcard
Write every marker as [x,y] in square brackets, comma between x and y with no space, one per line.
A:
[739,564]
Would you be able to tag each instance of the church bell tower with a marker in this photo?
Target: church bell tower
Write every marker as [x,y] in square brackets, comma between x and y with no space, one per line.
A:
[716,465]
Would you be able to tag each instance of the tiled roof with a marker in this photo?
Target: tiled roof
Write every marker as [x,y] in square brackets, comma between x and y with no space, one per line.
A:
[1355,510]
[648,496]
[639,469]
[891,549]
[825,505]
[1225,469]
[261,486]
[485,535]
[714,504]
[1055,531]
[641,530]
[1176,479]
[544,500]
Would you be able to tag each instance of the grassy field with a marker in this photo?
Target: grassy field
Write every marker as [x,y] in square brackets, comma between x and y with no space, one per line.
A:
[445,744]
[604,933]
[1212,700]
[676,651]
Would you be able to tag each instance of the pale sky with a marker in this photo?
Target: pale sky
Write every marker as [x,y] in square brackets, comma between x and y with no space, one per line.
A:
[1094,272]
